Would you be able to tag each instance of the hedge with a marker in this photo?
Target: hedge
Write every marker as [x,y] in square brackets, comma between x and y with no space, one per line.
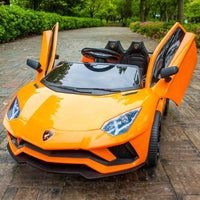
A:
[157,30]
[16,22]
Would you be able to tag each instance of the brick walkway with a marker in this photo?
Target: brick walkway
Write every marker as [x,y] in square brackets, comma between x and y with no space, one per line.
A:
[178,173]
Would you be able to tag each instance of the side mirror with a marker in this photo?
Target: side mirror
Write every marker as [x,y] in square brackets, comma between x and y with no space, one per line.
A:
[34,65]
[166,73]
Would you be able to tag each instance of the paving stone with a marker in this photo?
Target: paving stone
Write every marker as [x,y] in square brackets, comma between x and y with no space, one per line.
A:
[193,134]
[181,151]
[32,177]
[3,143]
[6,173]
[184,177]
[10,193]
[146,175]
[191,197]
[172,133]
[26,194]
[52,193]
[5,158]
[120,189]
[135,197]
[2,134]
[3,188]
[120,186]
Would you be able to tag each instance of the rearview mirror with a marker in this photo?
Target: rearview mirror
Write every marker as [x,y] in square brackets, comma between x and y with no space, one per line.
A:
[166,73]
[34,65]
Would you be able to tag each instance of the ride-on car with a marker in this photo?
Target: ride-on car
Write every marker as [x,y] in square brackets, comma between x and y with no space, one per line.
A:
[101,116]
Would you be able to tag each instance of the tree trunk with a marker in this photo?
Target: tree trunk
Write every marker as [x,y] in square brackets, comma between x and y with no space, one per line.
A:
[165,12]
[6,2]
[35,4]
[147,8]
[166,16]
[180,10]
[142,10]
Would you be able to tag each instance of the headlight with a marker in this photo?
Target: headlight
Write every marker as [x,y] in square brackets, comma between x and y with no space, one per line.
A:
[121,124]
[14,110]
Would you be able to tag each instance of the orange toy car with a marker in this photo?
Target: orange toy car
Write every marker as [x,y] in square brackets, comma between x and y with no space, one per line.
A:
[101,116]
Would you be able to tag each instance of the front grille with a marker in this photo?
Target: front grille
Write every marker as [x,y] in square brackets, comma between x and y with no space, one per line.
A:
[124,153]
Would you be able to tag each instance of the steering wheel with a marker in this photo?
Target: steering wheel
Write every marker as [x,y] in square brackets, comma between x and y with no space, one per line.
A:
[93,68]
[98,53]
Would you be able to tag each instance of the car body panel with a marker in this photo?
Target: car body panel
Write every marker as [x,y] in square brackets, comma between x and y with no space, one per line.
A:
[47,106]
[157,51]
[48,51]
[44,53]
[185,59]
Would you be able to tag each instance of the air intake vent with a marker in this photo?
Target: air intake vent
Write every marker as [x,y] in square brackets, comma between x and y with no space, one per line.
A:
[124,151]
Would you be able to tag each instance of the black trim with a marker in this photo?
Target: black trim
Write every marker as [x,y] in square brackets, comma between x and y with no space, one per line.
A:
[159,63]
[91,92]
[65,169]
[75,154]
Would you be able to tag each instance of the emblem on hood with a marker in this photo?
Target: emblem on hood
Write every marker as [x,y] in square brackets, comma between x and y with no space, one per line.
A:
[47,135]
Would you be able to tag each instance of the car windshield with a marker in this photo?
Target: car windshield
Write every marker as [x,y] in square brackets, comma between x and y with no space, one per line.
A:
[94,78]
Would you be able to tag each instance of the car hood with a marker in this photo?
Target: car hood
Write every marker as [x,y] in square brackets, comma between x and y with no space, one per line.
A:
[45,108]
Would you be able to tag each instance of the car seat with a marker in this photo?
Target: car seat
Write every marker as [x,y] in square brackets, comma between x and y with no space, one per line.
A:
[115,46]
[136,54]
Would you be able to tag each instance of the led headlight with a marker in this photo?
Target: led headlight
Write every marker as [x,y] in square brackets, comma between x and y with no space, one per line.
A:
[121,124]
[14,110]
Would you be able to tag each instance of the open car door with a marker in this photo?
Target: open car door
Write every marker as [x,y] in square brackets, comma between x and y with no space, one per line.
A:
[48,51]
[178,48]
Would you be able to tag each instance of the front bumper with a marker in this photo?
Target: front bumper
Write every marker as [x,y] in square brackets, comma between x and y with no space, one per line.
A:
[99,163]
[82,170]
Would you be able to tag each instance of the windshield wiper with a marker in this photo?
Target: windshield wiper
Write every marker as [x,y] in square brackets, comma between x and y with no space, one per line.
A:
[80,90]
[102,89]
[73,89]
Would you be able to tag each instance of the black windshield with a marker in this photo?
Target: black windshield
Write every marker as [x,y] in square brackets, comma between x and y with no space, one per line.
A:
[79,77]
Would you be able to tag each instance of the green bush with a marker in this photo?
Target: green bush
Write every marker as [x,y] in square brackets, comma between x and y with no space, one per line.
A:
[2,31]
[195,28]
[192,11]
[16,22]
[157,30]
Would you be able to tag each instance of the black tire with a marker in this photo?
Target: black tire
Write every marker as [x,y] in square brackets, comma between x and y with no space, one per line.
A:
[166,108]
[154,148]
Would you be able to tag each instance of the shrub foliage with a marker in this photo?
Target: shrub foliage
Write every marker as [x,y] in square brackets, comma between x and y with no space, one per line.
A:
[157,30]
[16,22]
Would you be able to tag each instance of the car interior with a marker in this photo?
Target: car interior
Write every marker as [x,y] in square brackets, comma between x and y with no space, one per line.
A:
[136,54]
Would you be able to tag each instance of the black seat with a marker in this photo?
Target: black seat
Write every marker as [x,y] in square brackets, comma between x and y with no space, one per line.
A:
[137,54]
[115,46]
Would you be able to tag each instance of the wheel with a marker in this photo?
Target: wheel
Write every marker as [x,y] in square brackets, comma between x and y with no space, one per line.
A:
[154,147]
[166,108]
